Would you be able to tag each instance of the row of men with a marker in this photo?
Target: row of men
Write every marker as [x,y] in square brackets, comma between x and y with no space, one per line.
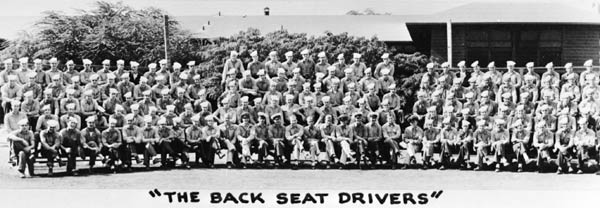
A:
[350,142]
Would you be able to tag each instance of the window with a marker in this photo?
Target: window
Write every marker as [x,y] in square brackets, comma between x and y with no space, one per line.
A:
[521,43]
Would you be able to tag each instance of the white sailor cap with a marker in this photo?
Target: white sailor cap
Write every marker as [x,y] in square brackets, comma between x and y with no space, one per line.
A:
[588,63]
[461,63]
[254,53]
[321,55]
[529,64]
[430,65]
[233,53]
[510,63]
[163,61]
[176,65]
[53,60]
[445,65]
[52,123]
[385,55]
[356,55]
[568,65]
[134,64]
[191,63]
[106,62]
[304,52]
[289,53]
[475,64]
[550,65]
[491,64]
[24,60]
[23,122]
[152,65]
[37,61]
[120,62]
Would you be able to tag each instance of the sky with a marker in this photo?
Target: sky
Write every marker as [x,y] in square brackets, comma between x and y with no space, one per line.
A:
[20,15]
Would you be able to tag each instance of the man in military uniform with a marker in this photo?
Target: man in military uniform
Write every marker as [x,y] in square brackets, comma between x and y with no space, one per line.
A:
[255,65]
[229,139]
[430,139]
[91,142]
[112,144]
[564,145]
[294,141]
[374,138]
[584,140]
[23,145]
[520,143]
[50,144]
[306,65]
[277,139]
[543,141]
[449,142]
[385,64]
[391,135]
[328,136]
[70,144]
[322,65]
[482,138]
[261,135]
[245,137]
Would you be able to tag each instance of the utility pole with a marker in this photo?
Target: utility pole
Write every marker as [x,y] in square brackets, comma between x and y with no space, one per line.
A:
[166,35]
[449,40]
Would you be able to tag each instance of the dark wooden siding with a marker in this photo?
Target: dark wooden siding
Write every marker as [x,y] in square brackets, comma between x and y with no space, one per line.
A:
[581,42]
[551,42]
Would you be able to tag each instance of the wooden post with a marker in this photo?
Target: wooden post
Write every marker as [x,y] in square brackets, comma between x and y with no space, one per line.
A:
[166,39]
[449,41]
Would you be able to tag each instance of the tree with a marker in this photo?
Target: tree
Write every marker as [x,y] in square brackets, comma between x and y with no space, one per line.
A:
[109,31]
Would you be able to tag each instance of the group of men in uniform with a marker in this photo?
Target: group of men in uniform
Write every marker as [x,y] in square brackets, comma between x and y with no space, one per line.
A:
[338,114]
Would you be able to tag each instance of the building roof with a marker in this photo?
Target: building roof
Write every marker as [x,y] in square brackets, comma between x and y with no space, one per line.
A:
[512,12]
[385,27]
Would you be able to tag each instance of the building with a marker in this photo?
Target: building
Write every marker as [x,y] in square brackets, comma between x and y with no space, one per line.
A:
[523,32]
[488,31]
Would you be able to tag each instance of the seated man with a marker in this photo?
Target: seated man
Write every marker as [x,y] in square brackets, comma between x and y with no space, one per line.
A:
[261,133]
[193,138]
[229,140]
[520,144]
[449,143]
[584,141]
[344,134]
[564,145]
[211,135]
[168,141]
[112,147]
[465,141]
[91,142]
[391,136]
[543,141]
[245,136]
[148,141]
[293,136]
[131,134]
[412,139]
[482,138]
[276,139]
[70,144]
[500,138]
[23,145]
[374,138]
[50,144]
[431,138]
[312,140]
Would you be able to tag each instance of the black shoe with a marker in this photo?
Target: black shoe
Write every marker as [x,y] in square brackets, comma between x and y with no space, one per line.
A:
[229,165]
[50,172]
